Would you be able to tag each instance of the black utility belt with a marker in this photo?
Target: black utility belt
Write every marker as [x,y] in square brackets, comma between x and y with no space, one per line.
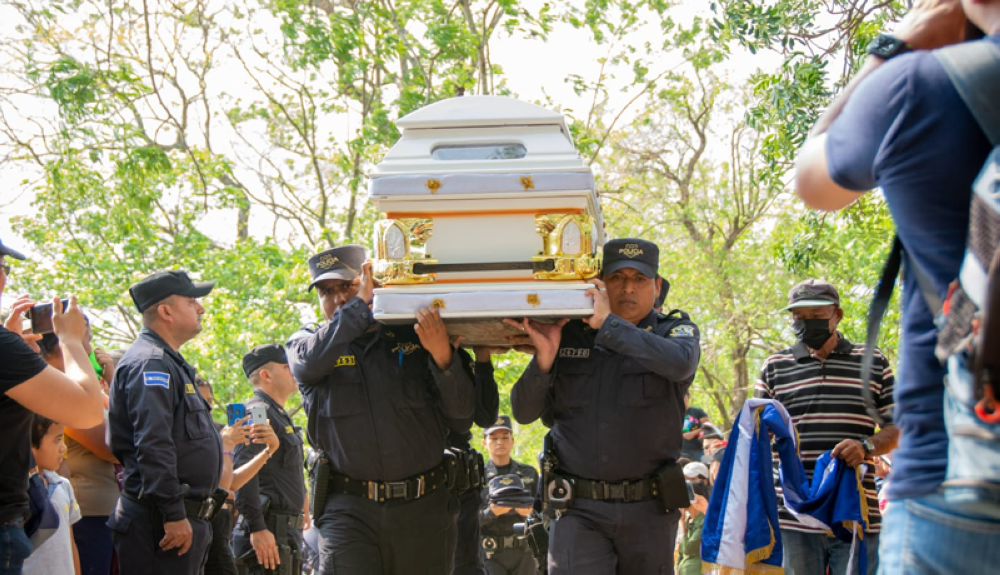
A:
[467,469]
[499,542]
[193,508]
[408,489]
[626,491]
[292,518]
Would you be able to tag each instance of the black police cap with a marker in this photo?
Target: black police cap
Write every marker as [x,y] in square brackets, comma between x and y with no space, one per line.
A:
[262,355]
[12,253]
[640,255]
[502,422]
[162,285]
[340,263]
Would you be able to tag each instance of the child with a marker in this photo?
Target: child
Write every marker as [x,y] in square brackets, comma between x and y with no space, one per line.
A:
[58,554]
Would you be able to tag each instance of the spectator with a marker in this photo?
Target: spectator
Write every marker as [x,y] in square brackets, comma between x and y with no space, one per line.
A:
[901,126]
[58,554]
[92,469]
[713,441]
[818,381]
[28,384]
[694,419]
[689,548]
[698,473]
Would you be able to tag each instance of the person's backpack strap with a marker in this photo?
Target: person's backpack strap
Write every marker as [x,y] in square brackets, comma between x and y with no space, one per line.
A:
[974,70]
[879,305]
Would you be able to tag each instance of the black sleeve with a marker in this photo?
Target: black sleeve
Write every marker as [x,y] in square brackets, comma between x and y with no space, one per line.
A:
[248,496]
[20,362]
[151,397]
[487,395]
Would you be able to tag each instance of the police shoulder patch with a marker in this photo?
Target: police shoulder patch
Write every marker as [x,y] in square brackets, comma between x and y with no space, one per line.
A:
[156,379]
[189,388]
[682,331]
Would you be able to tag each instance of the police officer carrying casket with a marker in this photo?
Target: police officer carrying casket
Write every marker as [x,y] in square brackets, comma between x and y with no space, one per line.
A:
[162,433]
[612,389]
[380,400]
[506,552]
[269,536]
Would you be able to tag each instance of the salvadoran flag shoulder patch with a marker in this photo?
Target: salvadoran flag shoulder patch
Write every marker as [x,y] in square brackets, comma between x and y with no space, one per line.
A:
[156,379]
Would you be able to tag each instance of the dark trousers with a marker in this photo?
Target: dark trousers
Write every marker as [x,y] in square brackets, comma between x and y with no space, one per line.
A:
[607,537]
[512,562]
[468,549]
[95,545]
[14,547]
[220,554]
[137,533]
[362,537]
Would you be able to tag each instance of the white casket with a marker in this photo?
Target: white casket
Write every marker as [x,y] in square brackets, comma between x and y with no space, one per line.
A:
[488,212]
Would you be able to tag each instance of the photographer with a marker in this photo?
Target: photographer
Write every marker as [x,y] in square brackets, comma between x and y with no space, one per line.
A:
[29,385]
[903,127]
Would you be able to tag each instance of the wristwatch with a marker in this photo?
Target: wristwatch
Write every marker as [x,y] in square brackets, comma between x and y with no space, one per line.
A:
[885,46]
[868,446]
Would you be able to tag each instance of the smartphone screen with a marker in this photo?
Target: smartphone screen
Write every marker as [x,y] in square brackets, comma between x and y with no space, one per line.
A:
[41,317]
[690,490]
[235,412]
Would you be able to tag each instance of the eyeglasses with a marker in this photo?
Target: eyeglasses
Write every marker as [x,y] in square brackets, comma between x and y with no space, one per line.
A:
[6,269]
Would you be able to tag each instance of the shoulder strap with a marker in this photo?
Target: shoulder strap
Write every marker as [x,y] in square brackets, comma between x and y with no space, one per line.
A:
[974,70]
[879,305]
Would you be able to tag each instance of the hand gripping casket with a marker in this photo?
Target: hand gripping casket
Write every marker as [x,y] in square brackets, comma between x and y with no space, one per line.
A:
[487,213]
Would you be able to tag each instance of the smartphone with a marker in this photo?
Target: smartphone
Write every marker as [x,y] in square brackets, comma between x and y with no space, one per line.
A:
[258,414]
[690,490]
[41,317]
[235,412]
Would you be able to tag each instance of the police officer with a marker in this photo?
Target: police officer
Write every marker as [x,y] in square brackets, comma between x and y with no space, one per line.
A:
[272,502]
[612,389]
[505,553]
[508,503]
[380,400]
[162,433]
[468,555]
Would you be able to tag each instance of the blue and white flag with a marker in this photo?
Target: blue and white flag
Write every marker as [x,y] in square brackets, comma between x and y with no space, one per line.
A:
[741,533]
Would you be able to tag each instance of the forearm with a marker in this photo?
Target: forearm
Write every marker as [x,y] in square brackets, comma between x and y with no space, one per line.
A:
[311,358]
[885,440]
[673,357]
[487,395]
[227,473]
[248,504]
[457,391]
[529,399]
[93,440]
[248,470]
[78,369]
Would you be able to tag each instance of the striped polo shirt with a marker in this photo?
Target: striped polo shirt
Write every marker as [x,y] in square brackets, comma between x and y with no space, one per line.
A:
[825,402]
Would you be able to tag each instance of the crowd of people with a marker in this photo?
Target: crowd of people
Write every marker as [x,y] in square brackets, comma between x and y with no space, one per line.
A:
[113,462]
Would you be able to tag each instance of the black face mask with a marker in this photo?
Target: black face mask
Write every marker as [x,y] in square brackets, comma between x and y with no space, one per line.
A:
[812,332]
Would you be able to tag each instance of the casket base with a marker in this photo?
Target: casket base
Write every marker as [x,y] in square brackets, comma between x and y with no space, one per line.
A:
[476,311]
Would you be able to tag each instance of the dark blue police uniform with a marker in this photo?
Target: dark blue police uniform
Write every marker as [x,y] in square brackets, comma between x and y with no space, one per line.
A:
[380,409]
[162,433]
[614,400]
[508,554]
[468,553]
[273,499]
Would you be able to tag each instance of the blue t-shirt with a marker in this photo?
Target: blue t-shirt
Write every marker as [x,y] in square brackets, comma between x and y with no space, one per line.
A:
[906,130]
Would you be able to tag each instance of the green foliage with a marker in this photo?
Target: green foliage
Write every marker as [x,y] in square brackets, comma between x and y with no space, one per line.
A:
[233,140]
